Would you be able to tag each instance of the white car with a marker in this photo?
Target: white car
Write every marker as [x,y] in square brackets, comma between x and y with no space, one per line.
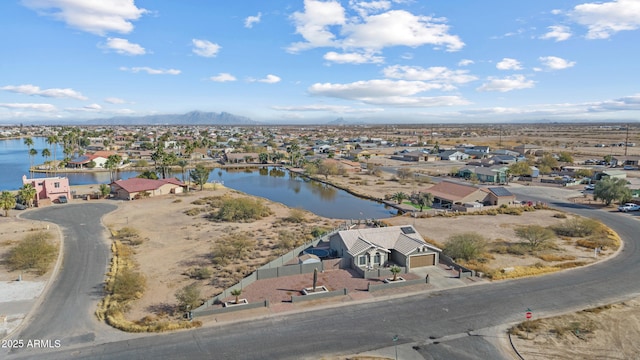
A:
[629,207]
[590,187]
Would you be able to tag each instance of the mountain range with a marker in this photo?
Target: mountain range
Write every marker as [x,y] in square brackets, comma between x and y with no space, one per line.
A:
[190,118]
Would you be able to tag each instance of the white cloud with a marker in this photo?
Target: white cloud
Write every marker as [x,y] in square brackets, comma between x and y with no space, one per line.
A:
[386,92]
[331,108]
[509,83]
[399,28]
[365,8]
[313,24]
[205,48]
[114,100]
[604,19]
[270,79]
[622,104]
[250,20]
[223,77]
[53,93]
[97,17]
[465,62]
[123,46]
[29,106]
[556,63]
[509,64]
[324,24]
[437,74]
[557,32]
[92,107]
[353,58]
[151,71]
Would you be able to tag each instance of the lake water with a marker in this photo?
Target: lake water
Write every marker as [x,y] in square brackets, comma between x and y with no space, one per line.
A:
[270,183]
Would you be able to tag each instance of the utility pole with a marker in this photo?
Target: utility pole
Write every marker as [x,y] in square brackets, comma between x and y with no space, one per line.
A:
[626,141]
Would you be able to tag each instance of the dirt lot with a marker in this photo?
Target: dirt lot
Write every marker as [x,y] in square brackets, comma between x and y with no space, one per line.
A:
[12,230]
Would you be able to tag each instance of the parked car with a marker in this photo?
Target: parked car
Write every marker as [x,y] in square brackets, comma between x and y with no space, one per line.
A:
[20,207]
[62,199]
[590,187]
[629,207]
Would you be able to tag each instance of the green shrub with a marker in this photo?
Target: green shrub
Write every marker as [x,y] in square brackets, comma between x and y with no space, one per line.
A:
[576,227]
[128,285]
[188,297]
[241,210]
[34,252]
[466,246]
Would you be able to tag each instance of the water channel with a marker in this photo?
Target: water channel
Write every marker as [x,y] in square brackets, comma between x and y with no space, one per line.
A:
[270,183]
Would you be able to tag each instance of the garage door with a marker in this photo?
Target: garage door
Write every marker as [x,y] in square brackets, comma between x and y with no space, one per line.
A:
[422,260]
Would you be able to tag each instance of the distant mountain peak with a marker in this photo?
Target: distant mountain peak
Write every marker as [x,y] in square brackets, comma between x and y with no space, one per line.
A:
[195,117]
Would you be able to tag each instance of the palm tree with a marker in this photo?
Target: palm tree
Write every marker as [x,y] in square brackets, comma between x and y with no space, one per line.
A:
[29,142]
[112,163]
[46,154]
[7,202]
[236,293]
[32,154]
[183,165]
[53,140]
[399,197]
[27,193]
[395,270]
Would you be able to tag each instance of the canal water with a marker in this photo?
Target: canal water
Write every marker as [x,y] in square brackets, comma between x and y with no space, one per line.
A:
[270,183]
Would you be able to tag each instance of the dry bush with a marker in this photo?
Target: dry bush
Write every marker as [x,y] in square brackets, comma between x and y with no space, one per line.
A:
[296,216]
[34,252]
[555,257]
[241,210]
[128,285]
[194,211]
[128,235]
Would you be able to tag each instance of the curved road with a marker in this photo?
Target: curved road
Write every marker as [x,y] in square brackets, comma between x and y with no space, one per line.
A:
[457,318]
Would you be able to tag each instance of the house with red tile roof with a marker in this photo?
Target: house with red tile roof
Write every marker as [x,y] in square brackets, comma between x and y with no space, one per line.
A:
[136,188]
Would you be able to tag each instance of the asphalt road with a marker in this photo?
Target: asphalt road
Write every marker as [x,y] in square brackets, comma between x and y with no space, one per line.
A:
[458,317]
[66,311]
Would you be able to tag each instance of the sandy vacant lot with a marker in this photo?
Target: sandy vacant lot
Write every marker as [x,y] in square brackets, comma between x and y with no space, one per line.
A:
[176,243]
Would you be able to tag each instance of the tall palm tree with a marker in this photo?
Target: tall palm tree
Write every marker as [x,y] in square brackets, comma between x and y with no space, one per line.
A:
[29,142]
[7,202]
[183,165]
[32,154]
[27,193]
[53,140]
[46,154]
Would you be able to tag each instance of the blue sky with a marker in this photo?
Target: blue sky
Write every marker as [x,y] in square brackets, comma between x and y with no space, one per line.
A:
[306,61]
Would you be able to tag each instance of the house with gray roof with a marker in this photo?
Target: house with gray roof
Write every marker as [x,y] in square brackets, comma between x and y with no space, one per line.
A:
[381,247]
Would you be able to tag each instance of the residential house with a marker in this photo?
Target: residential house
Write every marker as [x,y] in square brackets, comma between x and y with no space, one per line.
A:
[135,188]
[237,158]
[525,149]
[493,174]
[446,194]
[50,189]
[417,156]
[601,175]
[499,196]
[379,247]
[503,159]
[453,155]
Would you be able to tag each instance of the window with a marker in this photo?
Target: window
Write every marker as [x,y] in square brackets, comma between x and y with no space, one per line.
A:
[362,260]
[376,259]
[56,185]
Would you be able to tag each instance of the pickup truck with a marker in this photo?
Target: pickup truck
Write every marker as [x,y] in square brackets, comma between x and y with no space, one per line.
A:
[629,207]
